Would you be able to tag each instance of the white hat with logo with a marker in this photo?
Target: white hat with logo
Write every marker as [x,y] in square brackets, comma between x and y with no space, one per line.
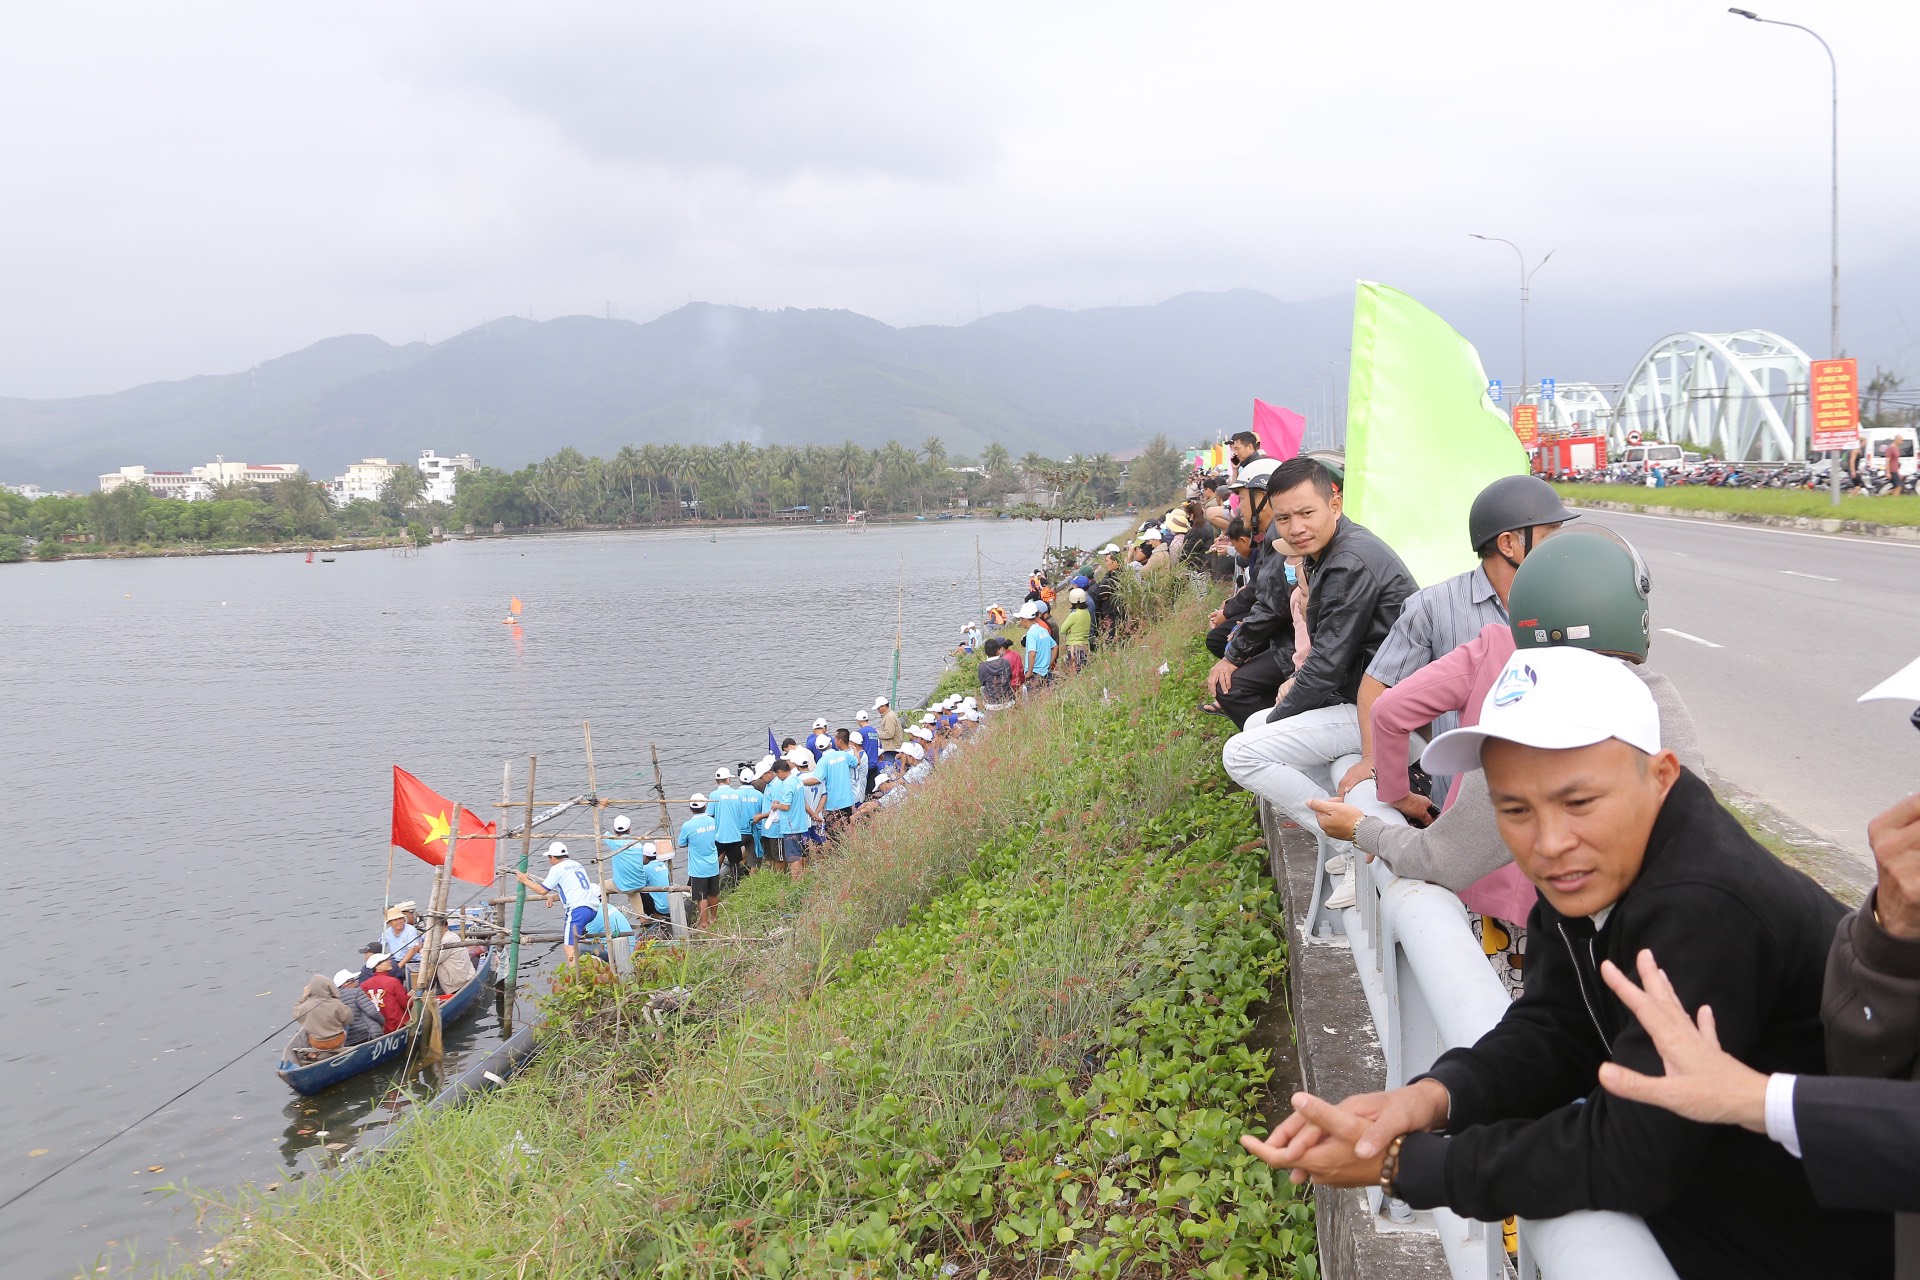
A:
[1556,699]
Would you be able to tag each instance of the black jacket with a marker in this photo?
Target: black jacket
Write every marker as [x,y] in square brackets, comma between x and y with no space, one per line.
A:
[367,1022]
[1861,1137]
[1533,1134]
[1355,588]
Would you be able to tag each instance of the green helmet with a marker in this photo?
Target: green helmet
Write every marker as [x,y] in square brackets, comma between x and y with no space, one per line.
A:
[1586,587]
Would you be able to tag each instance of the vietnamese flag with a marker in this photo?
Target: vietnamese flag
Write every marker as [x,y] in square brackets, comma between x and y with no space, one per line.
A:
[423,826]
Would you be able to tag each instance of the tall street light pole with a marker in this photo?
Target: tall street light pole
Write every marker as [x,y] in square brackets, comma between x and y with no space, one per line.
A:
[1526,287]
[1833,337]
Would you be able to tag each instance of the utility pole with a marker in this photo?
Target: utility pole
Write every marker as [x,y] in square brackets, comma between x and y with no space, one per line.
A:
[1833,226]
[1526,289]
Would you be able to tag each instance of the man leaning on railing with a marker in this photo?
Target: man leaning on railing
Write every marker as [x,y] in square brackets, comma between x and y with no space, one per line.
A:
[1629,851]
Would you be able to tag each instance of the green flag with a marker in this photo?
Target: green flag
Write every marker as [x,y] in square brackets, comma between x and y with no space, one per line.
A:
[1422,437]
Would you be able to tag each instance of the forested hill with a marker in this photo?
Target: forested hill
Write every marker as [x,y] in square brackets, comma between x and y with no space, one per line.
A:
[512,391]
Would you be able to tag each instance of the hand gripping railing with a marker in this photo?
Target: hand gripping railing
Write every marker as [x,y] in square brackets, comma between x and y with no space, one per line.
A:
[1430,989]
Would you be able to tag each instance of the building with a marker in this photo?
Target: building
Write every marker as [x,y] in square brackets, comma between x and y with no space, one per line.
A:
[31,492]
[362,482]
[198,484]
[441,474]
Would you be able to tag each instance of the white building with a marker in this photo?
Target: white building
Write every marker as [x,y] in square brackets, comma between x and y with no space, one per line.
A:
[31,492]
[441,474]
[362,482]
[199,483]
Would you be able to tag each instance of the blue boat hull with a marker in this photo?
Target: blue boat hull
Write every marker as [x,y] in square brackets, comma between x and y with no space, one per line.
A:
[315,1077]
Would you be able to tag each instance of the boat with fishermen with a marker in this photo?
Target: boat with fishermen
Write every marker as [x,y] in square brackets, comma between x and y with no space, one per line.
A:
[309,1076]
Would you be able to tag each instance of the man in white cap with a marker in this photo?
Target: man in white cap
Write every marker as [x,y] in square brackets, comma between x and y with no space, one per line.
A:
[889,724]
[866,745]
[703,858]
[820,741]
[567,882]
[1628,851]
[626,861]
[730,827]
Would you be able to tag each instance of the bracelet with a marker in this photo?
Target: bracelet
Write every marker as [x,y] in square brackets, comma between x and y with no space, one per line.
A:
[1390,1166]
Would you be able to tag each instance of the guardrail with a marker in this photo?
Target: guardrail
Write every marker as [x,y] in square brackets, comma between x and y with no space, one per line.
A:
[1430,989]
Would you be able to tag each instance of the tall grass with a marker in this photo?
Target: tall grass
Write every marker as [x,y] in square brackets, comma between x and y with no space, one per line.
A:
[999,1026]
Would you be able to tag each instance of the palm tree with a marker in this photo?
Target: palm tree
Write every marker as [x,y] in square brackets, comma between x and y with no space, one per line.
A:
[995,459]
[851,463]
[625,471]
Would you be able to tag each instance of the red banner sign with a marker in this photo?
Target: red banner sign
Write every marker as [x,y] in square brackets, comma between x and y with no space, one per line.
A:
[1834,388]
[1526,423]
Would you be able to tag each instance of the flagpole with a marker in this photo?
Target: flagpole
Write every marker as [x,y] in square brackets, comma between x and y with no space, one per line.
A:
[430,955]
[520,886]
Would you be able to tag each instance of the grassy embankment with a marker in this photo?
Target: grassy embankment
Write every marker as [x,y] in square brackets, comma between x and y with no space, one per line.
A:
[1002,1030]
[1903,509]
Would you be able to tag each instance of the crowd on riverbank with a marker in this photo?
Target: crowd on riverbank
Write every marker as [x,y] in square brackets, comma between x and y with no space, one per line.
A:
[1500,733]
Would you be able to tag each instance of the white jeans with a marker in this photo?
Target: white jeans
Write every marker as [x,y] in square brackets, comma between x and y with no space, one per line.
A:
[1289,762]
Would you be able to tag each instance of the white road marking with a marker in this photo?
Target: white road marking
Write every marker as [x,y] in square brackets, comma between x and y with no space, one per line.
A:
[1696,639]
[1817,577]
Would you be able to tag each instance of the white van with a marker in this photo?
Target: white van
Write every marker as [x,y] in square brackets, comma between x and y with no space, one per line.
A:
[1652,455]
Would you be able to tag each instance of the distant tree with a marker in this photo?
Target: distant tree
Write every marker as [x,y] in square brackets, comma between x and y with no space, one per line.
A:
[404,490]
[1155,475]
[994,459]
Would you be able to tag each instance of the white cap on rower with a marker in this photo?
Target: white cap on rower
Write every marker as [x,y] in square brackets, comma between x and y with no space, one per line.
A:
[621,826]
[345,976]
[862,716]
[820,722]
[915,750]
[558,849]
[723,774]
[697,802]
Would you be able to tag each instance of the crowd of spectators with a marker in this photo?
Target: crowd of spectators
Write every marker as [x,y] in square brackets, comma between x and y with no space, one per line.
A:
[1502,734]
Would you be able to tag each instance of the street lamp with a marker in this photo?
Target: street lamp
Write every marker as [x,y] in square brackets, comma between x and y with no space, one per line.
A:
[1833,337]
[1526,286]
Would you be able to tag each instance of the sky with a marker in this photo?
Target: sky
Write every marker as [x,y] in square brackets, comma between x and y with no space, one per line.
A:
[194,189]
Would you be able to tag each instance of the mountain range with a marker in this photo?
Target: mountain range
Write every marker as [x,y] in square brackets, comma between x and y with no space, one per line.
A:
[512,391]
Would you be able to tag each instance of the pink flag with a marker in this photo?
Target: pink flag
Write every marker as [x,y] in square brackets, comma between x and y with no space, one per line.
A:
[1279,430]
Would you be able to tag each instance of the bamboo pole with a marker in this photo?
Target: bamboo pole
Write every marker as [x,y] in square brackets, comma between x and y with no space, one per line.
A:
[677,868]
[617,949]
[520,886]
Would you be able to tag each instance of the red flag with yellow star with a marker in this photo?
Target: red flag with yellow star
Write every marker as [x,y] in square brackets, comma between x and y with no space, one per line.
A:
[423,826]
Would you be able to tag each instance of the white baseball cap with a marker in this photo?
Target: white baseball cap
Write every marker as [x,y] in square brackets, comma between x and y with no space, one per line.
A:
[723,774]
[696,802]
[557,849]
[1903,684]
[915,750]
[1027,610]
[880,702]
[1110,550]
[621,826]
[800,756]
[820,722]
[345,976]
[970,714]
[921,732]
[1556,699]
[862,716]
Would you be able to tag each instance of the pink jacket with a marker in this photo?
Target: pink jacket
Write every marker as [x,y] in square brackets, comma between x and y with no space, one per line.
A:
[1456,681]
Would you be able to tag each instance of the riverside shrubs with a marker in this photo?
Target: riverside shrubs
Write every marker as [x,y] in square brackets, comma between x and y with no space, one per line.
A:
[1004,1034]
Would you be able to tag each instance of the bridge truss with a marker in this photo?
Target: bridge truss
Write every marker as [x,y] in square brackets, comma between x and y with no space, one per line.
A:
[1743,395]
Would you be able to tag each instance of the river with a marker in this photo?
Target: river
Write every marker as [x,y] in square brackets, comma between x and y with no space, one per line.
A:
[204,747]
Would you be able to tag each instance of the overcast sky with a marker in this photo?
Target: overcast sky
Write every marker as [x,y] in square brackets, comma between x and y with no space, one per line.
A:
[194,188]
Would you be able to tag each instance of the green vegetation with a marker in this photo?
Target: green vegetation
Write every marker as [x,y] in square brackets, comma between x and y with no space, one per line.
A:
[1902,509]
[654,484]
[1001,1031]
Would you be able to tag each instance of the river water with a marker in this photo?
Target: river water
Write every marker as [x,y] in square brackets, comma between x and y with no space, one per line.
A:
[202,752]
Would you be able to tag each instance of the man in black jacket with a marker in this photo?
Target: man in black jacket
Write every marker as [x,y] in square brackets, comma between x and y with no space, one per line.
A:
[1628,851]
[1355,588]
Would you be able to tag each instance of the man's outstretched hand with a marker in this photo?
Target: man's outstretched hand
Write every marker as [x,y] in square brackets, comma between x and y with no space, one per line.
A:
[1342,1146]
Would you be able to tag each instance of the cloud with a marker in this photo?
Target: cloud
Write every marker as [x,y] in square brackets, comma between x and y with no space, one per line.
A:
[767,91]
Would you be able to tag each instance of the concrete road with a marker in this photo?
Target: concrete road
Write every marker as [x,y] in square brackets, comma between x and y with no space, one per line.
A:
[1770,635]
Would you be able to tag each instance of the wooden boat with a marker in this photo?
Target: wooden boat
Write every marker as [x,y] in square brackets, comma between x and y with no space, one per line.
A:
[309,1078]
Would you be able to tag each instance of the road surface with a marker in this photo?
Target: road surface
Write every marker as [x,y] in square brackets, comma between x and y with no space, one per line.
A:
[1770,635]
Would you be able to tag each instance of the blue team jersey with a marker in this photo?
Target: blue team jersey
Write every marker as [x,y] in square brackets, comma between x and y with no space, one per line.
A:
[1040,643]
[621,925]
[724,804]
[697,838]
[789,792]
[836,770]
[656,876]
[627,860]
